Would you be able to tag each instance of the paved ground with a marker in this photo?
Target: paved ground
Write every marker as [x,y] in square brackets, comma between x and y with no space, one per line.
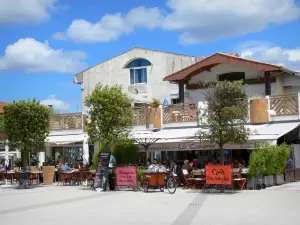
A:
[77,206]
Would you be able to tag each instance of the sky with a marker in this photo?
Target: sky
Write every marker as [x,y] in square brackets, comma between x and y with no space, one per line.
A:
[45,42]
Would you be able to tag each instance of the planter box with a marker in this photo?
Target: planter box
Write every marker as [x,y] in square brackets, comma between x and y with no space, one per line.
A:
[250,183]
[289,175]
[259,111]
[278,179]
[269,181]
[48,174]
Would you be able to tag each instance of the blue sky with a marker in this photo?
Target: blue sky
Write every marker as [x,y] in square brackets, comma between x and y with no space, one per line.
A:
[45,42]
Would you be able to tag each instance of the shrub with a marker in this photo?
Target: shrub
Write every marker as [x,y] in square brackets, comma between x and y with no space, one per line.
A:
[126,152]
[269,159]
[18,162]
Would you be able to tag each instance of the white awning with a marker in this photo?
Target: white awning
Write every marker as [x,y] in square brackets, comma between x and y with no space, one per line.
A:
[262,132]
[66,139]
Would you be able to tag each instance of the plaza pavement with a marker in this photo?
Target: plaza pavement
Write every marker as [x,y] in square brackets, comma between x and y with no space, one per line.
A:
[48,205]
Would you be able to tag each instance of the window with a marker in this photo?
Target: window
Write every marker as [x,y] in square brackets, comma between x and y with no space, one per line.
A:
[138,71]
[175,101]
[138,76]
[232,76]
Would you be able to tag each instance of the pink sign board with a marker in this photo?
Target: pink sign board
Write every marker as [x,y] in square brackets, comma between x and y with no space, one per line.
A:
[126,176]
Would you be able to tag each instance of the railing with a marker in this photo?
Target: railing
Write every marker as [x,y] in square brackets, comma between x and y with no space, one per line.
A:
[284,105]
[71,121]
[139,117]
[180,113]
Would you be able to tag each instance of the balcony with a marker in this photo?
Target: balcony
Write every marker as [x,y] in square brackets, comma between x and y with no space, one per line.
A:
[274,108]
[70,121]
[285,105]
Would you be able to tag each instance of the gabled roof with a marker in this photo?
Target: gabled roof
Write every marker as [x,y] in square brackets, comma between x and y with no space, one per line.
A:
[219,58]
[2,104]
[76,80]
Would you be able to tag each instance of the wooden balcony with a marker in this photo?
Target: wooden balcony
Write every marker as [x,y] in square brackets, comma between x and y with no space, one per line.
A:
[70,121]
[285,105]
[178,113]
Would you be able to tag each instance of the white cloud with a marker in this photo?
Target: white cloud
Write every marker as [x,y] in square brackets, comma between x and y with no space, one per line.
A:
[59,105]
[111,26]
[209,20]
[198,21]
[25,11]
[32,56]
[289,58]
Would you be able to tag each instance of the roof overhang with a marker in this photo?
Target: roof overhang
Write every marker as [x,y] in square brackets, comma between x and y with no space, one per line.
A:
[220,58]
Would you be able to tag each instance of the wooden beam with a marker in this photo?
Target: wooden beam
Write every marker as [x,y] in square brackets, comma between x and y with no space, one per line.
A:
[267,83]
[181,92]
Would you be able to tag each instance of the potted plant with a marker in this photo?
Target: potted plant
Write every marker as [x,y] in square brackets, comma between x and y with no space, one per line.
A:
[256,164]
[140,173]
[283,152]
[18,164]
[156,113]
[268,151]
[34,161]
[48,171]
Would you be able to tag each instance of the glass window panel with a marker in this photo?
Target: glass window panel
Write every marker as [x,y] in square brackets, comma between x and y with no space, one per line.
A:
[138,63]
[138,75]
[131,76]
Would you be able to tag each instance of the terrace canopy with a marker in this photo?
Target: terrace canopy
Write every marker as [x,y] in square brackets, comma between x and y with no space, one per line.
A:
[258,133]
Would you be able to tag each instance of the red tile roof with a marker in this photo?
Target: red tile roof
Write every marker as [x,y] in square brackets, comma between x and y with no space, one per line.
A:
[208,62]
[2,104]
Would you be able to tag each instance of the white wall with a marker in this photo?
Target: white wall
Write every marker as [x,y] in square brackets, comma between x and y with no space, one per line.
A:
[113,72]
[212,75]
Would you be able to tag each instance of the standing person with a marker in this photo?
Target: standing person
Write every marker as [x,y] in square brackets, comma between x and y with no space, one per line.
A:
[111,166]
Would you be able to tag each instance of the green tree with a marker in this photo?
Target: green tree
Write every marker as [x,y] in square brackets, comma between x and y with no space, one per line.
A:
[111,116]
[27,126]
[225,116]
[1,122]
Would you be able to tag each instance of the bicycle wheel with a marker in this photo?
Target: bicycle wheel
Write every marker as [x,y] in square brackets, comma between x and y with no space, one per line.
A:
[171,185]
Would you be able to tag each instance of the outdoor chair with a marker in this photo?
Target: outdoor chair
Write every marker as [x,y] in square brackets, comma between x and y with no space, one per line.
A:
[32,177]
[17,177]
[199,176]
[64,178]
[189,180]
[238,178]
[2,178]
[76,178]
[87,177]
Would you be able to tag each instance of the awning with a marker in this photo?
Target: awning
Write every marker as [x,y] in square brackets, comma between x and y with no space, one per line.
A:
[262,132]
[66,139]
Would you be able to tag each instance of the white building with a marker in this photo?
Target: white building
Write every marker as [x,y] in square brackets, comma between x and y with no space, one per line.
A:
[140,72]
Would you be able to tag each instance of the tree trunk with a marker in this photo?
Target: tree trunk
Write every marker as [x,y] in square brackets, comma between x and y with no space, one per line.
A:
[222,154]
[24,157]
[106,147]
[147,155]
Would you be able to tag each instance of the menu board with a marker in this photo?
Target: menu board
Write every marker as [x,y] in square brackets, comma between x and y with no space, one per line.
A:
[216,174]
[126,176]
[102,170]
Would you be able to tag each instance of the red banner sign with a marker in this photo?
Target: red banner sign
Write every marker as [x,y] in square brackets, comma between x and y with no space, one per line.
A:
[126,176]
[216,174]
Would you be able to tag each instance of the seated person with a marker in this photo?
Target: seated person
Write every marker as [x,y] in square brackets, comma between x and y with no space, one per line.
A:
[66,167]
[2,168]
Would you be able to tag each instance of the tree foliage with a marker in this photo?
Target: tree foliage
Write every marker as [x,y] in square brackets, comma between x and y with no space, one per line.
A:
[27,125]
[1,122]
[126,152]
[226,113]
[111,116]
[269,159]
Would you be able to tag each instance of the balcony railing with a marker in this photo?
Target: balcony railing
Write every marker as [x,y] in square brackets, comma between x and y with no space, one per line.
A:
[70,121]
[284,105]
[139,116]
[180,113]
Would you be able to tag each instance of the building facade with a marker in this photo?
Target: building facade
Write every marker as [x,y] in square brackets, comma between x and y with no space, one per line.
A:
[140,72]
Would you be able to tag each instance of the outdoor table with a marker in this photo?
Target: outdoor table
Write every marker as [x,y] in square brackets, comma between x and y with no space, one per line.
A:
[38,173]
